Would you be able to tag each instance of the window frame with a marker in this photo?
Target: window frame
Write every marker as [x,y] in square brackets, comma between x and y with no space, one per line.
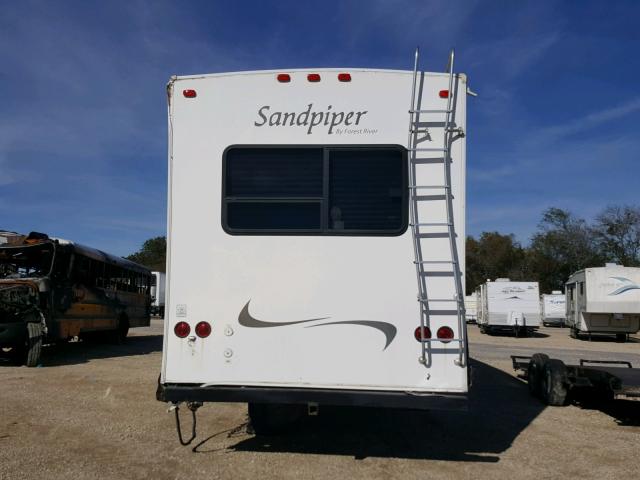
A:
[324,200]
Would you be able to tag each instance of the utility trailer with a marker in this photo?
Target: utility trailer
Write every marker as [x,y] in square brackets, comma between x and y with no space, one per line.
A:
[318,198]
[554,382]
[158,280]
[604,300]
[553,308]
[509,306]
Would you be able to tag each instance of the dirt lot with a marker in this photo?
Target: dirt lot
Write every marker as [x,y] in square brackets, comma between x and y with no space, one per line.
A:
[90,412]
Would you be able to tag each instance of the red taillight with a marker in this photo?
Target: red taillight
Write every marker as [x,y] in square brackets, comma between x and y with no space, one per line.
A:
[443,94]
[181,329]
[203,329]
[344,77]
[445,334]
[422,333]
[313,77]
[189,93]
[284,77]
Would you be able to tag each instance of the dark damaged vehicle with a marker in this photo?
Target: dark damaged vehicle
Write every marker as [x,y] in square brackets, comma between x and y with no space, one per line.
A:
[54,290]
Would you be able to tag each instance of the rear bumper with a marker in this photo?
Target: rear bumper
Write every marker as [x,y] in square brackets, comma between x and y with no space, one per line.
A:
[362,398]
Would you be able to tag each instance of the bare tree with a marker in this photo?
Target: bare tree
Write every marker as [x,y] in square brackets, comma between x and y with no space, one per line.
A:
[617,232]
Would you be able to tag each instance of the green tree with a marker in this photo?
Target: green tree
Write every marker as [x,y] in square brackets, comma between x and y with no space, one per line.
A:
[562,245]
[152,255]
[492,256]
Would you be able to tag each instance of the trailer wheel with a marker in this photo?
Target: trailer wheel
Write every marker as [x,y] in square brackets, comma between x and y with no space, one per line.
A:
[534,373]
[573,332]
[621,337]
[123,329]
[554,388]
[33,344]
[273,419]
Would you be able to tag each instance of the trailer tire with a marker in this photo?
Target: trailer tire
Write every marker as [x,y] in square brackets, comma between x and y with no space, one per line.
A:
[273,419]
[621,337]
[534,373]
[123,329]
[33,344]
[573,332]
[554,388]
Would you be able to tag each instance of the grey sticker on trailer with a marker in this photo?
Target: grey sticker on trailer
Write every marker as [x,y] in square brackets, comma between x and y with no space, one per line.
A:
[181,310]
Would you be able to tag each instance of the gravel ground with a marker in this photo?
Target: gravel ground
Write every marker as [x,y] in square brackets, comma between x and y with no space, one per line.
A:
[90,412]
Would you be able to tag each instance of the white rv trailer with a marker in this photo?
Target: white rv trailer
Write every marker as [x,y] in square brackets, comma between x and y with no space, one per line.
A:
[552,307]
[604,300]
[289,262]
[158,280]
[507,305]
[470,308]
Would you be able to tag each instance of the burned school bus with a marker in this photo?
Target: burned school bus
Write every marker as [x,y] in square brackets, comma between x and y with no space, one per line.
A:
[53,290]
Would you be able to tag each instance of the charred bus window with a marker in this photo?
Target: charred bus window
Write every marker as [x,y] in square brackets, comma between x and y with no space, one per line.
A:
[30,261]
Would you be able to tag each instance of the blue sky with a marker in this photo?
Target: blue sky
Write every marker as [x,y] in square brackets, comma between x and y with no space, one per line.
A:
[83,122]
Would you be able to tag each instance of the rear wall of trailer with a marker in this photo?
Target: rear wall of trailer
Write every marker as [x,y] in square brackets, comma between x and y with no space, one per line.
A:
[266,295]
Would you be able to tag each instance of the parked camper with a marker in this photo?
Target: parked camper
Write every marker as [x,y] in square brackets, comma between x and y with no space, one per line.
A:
[553,307]
[470,308]
[604,300]
[301,289]
[158,280]
[53,289]
[507,305]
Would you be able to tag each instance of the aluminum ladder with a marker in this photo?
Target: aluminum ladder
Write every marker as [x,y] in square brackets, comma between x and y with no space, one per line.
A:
[423,232]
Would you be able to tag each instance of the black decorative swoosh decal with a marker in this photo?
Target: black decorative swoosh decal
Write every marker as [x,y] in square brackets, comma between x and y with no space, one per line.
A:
[246,320]
[386,328]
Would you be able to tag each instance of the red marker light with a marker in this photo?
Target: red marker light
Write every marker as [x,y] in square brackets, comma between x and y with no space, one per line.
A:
[284,77]
[182,329]
[422,332]
[189,93]
[344,77]
[203,329]
[313,77]
[443,93]
[445,334]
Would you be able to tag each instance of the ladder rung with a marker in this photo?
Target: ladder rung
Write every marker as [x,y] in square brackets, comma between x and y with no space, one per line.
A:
[431,340]
[430,224]
[436,274]
[433,235]
[425,149]
[429,300]
[416,187]
[422,198]
[434,262]
[427,160]
[442,312]
[429,111]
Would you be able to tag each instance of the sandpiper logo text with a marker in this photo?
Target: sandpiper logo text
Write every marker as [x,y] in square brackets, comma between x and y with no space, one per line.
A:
[311,118]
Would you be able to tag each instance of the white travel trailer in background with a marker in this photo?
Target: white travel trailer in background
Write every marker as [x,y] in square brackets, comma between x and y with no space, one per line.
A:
[553,308]
[158,280]
[604,300]
[470,308]
[301,287]
[507,305]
